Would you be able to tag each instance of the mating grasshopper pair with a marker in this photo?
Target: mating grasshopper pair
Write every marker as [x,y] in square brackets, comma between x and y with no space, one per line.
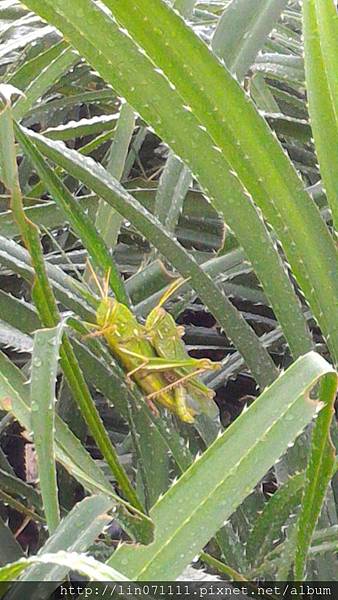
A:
[155,357]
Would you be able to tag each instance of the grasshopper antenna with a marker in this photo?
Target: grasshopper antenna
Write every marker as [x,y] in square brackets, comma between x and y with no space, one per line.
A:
[106,283]
[102,290]
[172,289]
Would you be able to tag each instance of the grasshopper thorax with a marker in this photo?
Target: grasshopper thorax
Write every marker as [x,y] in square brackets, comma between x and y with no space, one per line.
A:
[116,318]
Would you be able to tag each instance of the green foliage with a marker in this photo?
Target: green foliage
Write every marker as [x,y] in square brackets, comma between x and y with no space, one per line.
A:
[44,369]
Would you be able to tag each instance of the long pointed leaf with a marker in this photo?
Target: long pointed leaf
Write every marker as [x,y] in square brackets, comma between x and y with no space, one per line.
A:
[321,67]
[211,489]
[43,378]
[242,30]
[68,448]
[80,222]
[246,141]
[108,222]
[44,80]
[92,514]
[318,475]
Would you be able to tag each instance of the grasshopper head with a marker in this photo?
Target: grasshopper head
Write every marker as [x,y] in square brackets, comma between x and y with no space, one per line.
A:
[105,313]
[115,317]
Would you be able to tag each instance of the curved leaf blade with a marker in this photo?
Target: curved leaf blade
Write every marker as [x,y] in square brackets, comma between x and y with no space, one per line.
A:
[44,80]
[211,489]
[242,30]
[81,563]
[247,144]
[92,513]
[81,223]
[319,472]
[320,29]
[43,379]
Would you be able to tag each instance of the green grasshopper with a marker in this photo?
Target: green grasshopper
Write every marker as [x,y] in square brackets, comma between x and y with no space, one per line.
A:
[155,360]
[166,337]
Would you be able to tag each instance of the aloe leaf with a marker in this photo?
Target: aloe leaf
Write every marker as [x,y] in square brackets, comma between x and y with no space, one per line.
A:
[20,507]
[43,378]
[326,547]
[68,447]
[82,128]
[4,464]
[11,10]
[26,72]
[14,338]
[81,223]
[292,105]
[319,472]
[23,40]
[148,282]
[108,222]
[70,452]
[50,106]
[44,80]
[262,95]
[281,67]
[207,234]
[231,573]
[220,268]
[81,563]
[256,157]
[299,129]
[185,7]
[320,28]
[322,536]
[18,312]
[186,135]
[171,191]
[176,177]
[41,290]
[152,455]
[269,524]
[67,290]
[16,487]
[92,514]
[242,30]
[108,188]
[196,506]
